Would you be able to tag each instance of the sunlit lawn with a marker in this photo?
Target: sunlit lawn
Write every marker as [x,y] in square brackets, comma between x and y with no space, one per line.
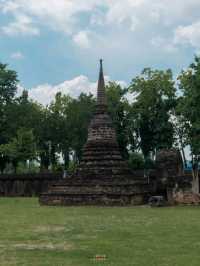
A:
[34,235]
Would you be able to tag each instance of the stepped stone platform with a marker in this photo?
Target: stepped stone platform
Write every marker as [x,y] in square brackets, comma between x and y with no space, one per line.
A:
[103,177]
[109,194]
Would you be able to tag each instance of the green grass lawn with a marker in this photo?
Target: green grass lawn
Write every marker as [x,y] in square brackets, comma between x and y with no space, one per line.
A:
[59,236]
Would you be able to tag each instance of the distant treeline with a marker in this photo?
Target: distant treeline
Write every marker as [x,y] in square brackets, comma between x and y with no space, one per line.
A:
[153,112]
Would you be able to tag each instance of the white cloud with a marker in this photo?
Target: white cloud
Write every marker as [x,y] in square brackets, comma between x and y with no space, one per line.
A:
[22,25]
[163,43]
[188,35]
[97,18]
[125,31]
[45,93]
[60,15]
[17,55]
[126,11]
[157,41]
[82,39]
[64,15]
[132,15]
[19,90]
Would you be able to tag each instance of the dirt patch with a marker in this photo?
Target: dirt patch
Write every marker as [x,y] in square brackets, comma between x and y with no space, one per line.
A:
[43,246]
[39,246]
[48,228]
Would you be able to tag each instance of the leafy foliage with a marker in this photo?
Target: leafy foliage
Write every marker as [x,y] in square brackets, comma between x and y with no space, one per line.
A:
[189,104]
[8,84]
[120,112]
[20,148]
[154,93]
[147,116]
[136,161]
[189,110]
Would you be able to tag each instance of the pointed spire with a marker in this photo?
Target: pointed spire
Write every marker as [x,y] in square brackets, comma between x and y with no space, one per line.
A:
[101,94]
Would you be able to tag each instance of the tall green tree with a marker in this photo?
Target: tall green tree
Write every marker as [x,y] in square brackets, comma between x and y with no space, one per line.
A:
[43,136]
[23,112]
[180,131]
[80,113]
[21,148]
[66,122]
[189,109]
[121,114]
[8,84]
[8,88]
[59,128]
[154,94]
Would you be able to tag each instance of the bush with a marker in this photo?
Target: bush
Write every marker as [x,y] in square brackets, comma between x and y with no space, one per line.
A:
[136,161]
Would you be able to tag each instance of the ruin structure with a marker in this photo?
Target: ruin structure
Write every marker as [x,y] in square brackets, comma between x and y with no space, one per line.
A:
[171,180]
[103,177]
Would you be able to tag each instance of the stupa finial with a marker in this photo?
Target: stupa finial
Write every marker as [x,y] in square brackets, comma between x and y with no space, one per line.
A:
[101,95]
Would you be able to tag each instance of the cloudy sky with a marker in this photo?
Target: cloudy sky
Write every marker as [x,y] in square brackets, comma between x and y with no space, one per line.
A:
[55,44]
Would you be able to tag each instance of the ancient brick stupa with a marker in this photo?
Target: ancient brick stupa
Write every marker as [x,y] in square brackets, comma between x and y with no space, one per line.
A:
[103,177]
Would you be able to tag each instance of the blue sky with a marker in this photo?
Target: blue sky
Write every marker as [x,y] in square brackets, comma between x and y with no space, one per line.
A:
[55,44]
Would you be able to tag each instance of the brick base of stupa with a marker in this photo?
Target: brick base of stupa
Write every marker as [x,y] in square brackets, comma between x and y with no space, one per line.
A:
[105,193]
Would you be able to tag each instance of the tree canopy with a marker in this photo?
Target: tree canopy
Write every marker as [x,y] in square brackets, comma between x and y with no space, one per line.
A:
[154,93]
[150,114]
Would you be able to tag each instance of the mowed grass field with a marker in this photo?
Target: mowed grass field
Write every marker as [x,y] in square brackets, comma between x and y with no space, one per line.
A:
[122,236]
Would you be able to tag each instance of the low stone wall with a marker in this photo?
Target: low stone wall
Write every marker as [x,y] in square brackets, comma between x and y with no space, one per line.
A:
[26,185]
[29,185]
[178,186]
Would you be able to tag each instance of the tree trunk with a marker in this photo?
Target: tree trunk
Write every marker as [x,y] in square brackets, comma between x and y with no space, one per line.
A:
[15,164]
[66,158]
[183,154]
[53,157]
[44,162]
[195,174]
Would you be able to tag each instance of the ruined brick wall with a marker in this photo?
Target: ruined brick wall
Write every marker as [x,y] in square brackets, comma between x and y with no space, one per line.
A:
[171,178]
[169,163]
[26,185]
